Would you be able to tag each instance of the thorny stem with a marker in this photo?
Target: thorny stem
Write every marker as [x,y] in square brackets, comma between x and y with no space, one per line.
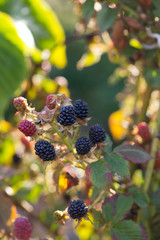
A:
[146,100]
[130,10]
[75,135]
[52,140]
[61,136]
[99,199]
[150,166]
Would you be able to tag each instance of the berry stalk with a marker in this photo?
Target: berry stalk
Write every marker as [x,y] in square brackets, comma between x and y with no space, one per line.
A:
[61,136]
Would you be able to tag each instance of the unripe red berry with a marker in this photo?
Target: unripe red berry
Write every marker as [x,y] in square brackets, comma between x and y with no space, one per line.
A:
[145,3]
[144,131]
[22,228]
[27,127]
[20,103]
[51,101]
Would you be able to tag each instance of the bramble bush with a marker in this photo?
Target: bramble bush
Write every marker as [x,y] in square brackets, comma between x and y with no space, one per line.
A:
[56,168]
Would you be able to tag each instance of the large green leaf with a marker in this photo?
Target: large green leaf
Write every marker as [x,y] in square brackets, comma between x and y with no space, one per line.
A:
[123,205]
[115,208]
[140,198]
[98,173]
[133,154]
[106,17]
[117,164]
[126,230]
[12,60]
[43,23]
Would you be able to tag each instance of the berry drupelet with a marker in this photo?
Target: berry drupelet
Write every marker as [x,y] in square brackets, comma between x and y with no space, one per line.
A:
[77,209]
[22,228]
[27,127]
[45,150]
[83,145]
[67,116]
[20,103]
[81,109]
[97,134]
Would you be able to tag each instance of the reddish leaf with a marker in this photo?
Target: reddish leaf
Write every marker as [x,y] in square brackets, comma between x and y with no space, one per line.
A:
[133,154]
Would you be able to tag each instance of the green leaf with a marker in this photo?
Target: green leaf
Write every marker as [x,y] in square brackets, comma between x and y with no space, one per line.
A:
[152,77]
[140,198]
[123,205]
[106,17]
[12,60]
[95,193]
[88,9]
[43,24]
[117,164]
[107,212]
[98,171]
[99,221]
[109,143]
[126,230]
[133,154]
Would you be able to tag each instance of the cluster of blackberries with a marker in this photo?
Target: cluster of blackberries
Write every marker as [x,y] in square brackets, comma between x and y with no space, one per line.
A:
[96,135]
[68,114]
[77,209]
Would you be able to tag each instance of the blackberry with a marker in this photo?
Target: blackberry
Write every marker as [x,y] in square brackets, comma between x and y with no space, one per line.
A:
[83,145]
[97,134]
[77,209]
[67,116]
[45,150]
[81,109]
[22,228]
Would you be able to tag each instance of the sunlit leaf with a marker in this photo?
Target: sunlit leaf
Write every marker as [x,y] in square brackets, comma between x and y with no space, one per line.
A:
[88,59]
[85,228]
[135,43]
[47,30]
[12,60]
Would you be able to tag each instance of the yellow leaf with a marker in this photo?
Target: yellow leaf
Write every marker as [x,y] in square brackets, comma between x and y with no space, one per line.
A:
[86,228]
[13,215]
[58,56]
[88,59]
[137,178]
[64,90]
[118,125]
[4,126]
[135,43]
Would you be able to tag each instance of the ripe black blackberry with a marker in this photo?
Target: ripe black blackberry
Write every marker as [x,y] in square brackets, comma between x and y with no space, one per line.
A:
[81,109]
[77,209]
[45,150]
[97,134]
[83,145]
[67,116]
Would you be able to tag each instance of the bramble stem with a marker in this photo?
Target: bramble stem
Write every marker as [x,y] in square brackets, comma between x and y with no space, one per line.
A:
[75,135]
[130,10]
[61,136]
[150,166]
[146,100]
[99,199]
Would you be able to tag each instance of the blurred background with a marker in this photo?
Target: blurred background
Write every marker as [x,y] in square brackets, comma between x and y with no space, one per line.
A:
[89,84]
